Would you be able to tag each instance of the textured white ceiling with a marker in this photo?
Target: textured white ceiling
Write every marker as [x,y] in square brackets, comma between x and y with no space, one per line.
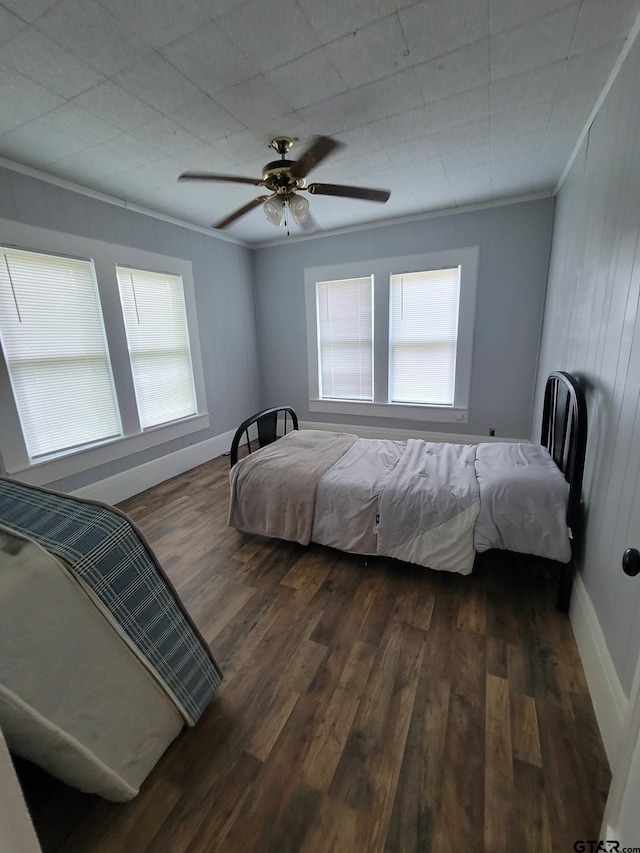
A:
[444,102]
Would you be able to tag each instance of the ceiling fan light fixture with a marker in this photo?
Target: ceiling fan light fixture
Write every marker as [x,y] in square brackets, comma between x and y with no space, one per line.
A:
[299,208]
[274,210]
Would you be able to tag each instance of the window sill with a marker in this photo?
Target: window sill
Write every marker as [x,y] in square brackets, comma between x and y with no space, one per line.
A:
[50,470]
[397,411]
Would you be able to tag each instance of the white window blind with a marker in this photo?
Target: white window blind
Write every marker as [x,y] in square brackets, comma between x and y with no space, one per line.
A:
[158,339]
[56,352]
[345,338]
[423,336]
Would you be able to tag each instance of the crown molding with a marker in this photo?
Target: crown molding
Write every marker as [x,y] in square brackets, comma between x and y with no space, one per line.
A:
[401,220]
[32,172]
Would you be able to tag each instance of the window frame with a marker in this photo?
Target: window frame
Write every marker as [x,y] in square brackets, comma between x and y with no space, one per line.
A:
[467,259]
[105,257]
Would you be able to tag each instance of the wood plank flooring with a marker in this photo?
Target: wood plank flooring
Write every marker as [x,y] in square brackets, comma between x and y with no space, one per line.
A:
[368,705]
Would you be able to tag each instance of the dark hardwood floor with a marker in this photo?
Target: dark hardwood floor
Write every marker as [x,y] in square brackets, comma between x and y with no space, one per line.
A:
[368,705]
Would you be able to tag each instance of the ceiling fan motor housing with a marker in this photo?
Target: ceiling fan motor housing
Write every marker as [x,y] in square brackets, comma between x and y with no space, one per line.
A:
[277,177]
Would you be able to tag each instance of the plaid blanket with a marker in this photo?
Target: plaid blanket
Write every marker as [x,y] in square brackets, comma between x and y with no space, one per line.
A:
[111,557]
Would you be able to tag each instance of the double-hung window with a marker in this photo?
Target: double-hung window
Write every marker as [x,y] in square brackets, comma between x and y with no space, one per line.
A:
[56,352]
[345,338]
[155,320]
[423,336]
[393,337]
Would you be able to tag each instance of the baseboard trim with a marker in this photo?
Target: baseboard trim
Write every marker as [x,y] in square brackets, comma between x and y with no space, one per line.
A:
[609,699]
[403,434]
[118,488]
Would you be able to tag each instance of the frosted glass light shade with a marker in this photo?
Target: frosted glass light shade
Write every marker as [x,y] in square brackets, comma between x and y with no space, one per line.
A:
[299,208]
[274,210]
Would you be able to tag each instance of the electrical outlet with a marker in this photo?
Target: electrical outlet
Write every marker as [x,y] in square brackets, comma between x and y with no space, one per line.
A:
[492,431]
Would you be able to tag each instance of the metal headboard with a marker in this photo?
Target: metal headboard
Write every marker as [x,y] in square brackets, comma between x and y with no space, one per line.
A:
[267,424]
[564,434]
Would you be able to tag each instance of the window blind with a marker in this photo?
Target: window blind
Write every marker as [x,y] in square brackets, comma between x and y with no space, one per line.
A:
[56,352]
[158,338]
[345,338]
[423,336]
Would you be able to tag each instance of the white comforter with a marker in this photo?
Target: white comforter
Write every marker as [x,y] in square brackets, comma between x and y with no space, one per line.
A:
[429,507]
[438,504]
[523,501]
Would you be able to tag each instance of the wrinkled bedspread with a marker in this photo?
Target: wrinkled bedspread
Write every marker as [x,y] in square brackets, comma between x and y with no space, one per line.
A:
[429,507]
[273,491]
[433,504]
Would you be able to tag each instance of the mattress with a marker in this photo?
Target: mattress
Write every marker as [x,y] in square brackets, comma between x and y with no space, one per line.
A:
[100,664]
[75,697]
[110,556]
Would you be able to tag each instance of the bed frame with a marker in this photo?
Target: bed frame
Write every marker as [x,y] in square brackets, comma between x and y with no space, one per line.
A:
[564,434]
[267,423]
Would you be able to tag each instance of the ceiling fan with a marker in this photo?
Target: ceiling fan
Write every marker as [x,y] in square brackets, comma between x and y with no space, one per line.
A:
[285,178]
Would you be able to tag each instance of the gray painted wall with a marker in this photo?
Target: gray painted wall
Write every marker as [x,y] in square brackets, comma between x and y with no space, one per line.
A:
[223,280]
[514,249]
[591,329]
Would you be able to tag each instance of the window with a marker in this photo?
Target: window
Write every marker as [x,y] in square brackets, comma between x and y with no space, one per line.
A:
[421,312]
[423,336]
[156,324]
[89,376]
[56,351]
[345,338]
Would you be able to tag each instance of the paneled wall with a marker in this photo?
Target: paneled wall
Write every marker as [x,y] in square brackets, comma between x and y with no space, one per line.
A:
[223,280]
[514,251]
[591,329]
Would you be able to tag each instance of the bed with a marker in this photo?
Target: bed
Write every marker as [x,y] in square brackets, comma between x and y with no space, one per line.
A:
[435,504]
[100,664]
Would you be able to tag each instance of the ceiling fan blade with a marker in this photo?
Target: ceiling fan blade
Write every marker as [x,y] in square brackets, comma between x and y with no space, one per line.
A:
[366,193]
[212,176]
[224,223]
[319,149]
[309,226]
